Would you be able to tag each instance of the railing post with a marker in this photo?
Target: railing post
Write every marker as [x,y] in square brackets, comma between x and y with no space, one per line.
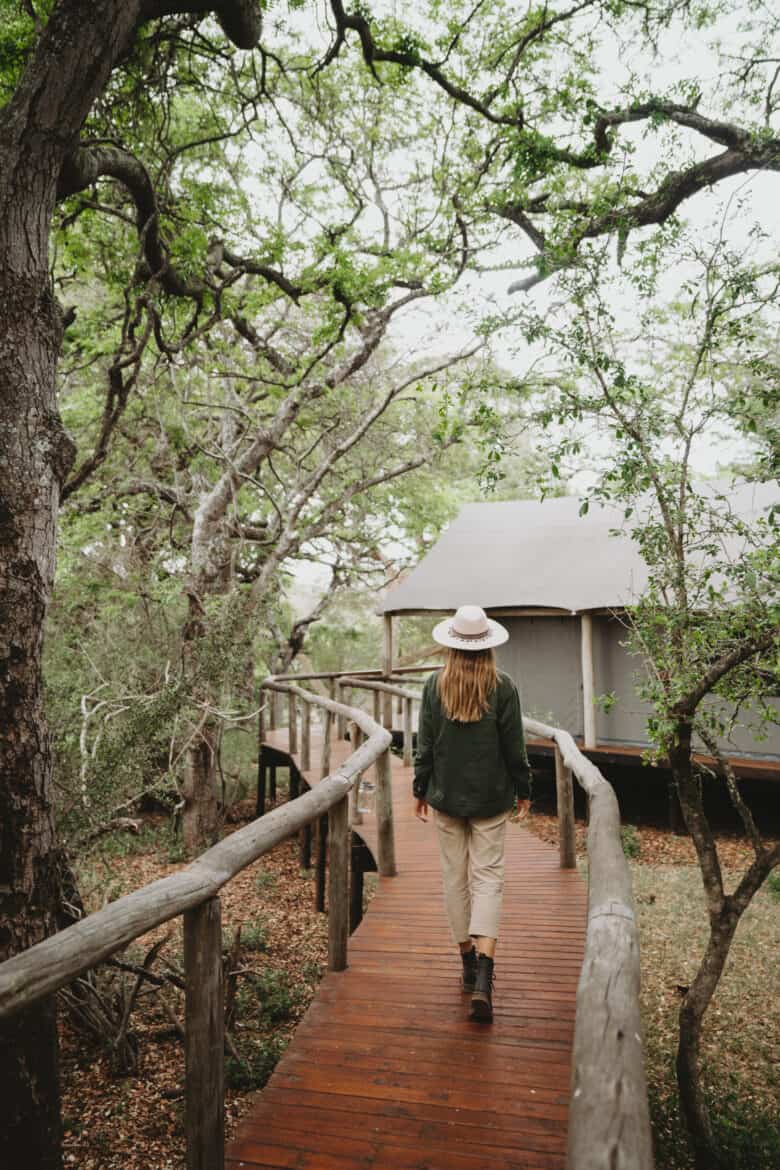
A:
[261,774]
[273,710]
[407,733]
[261,701]
[325,760]
[204,1037]
[355,815]
[384,817]
[377,706]
[356,884]
[322,857]
[306,736]
[304,855]
[341,720]
[292,723]
[564,797]
[338,885]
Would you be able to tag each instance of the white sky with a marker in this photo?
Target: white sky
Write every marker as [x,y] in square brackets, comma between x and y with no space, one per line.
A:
[738,203]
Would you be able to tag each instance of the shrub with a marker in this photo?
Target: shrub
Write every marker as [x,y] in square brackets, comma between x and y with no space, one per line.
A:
[629,837]
[255,1067]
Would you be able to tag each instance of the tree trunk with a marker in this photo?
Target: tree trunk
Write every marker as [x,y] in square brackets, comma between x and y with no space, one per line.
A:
[34,459]
[200,816]
[723,924]
[707,1155]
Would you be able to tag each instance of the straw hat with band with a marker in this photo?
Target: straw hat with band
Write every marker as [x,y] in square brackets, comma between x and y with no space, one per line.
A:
[470,629]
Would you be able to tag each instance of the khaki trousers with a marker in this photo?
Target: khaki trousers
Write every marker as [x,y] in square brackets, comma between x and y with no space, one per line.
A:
[472,862]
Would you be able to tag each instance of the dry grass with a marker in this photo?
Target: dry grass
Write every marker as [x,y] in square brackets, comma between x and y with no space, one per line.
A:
[134,1122]
[741,1049]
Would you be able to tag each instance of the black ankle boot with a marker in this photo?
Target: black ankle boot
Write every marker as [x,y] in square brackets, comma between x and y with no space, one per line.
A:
[482,996]
[469,968]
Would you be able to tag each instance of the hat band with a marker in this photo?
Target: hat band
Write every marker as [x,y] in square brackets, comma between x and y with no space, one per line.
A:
[468,637]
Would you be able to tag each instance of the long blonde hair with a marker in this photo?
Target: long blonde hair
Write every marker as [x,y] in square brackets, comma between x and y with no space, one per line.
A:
[466,684]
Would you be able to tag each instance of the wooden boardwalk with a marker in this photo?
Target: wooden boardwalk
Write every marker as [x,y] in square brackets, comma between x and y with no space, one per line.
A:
[386,1071]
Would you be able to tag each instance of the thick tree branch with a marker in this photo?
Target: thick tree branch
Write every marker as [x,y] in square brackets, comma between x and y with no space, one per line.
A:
[372,54]
[686,706]
[90,163]
[241,20]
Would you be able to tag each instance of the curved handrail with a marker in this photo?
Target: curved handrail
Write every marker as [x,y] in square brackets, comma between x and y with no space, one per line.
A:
[58,960]
[609,1120]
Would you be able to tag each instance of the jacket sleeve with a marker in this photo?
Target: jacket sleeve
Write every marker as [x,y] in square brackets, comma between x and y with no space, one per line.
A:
[512,737]
[423,756]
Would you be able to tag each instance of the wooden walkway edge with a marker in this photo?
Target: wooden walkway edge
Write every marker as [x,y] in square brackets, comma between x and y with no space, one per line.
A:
[386,1071]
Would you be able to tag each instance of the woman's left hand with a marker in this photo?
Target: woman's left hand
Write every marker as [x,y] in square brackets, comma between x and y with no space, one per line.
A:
[421,810]
[521,810]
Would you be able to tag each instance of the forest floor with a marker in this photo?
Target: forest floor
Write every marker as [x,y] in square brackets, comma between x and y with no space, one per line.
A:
[741,1043]
[132,1117]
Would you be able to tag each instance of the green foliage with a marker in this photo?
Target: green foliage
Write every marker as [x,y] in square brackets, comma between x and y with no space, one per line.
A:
[258,1061]
[254,936]
[773,884]
[749,1138]
[630,840]
[269,995]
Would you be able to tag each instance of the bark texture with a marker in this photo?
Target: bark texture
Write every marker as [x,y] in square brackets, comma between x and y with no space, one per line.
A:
[724,911]
[39,130]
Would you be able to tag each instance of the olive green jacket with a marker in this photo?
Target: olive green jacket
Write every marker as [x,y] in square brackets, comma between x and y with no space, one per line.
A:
[471,769]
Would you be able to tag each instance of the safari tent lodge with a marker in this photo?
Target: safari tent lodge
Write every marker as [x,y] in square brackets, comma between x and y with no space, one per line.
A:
[560,582]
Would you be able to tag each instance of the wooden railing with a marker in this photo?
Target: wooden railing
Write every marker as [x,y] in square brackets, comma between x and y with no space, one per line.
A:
[193,893]
[609,1118]
[609,1124]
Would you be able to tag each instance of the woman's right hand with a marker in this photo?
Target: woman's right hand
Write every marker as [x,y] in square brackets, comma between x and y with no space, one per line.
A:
[421,810]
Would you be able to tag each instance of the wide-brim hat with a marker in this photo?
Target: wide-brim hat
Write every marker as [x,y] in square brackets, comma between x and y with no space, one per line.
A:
[470,629]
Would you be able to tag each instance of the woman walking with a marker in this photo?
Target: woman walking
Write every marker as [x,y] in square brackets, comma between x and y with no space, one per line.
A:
[471,768]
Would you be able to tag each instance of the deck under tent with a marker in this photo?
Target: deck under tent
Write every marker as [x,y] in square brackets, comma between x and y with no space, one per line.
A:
[561,582]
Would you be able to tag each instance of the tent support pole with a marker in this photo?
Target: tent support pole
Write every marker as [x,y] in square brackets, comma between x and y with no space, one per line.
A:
[588,685]
[387,670]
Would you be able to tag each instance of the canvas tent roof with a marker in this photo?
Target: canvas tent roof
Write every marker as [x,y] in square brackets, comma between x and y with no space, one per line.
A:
[528,554]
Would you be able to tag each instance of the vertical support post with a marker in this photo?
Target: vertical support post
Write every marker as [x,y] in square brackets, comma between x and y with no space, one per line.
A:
[356,740]
[304,851]
[588,686]
[292,723]
[261,701]
[564,796]
[356,885]
[387,670]
[204,1037]
[332,687]
[341,720]
[306,736]
[322,854]
[272,783]
[273,710]
[338,885]
[295,783]
[261,774]
[377,706]
[325,761]
[384,817]
[407,733]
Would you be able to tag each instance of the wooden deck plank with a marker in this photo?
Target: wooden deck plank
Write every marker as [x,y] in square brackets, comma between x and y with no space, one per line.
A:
[386,1071]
